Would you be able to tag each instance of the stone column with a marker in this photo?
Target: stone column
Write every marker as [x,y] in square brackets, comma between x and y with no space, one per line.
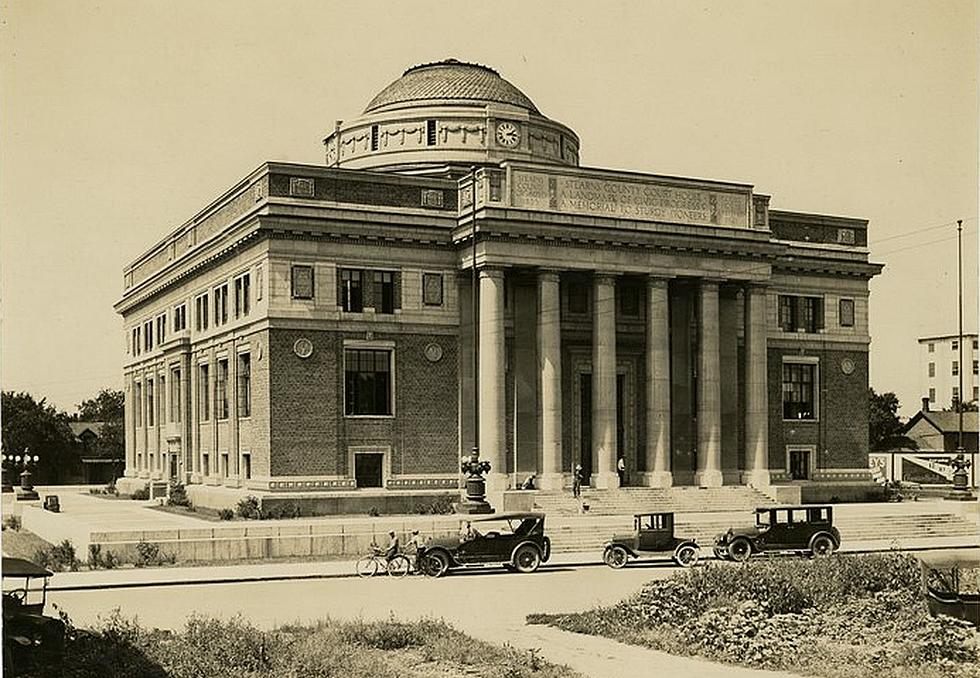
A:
[604,441]
[709,389]
[756,389]
[549,367]
[187,449]
[492,394]
[129,438]
[231,388]
[194,415]
[658,385]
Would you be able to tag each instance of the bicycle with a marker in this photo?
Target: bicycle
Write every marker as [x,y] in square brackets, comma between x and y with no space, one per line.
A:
[368,566]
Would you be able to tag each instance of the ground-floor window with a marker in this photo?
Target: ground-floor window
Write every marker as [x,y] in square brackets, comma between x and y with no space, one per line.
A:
[367,383]
[799,400]
[368,469]
[247,466]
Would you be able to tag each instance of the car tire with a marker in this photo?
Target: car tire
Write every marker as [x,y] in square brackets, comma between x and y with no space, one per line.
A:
[687,555]
[615,557]
[366,567]
[822,546]
[740,550]
[399,566]
[527,558]
[435,564]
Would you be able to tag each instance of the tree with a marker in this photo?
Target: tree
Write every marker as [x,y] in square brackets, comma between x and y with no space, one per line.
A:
[107,407]
[33,425]
[885,429]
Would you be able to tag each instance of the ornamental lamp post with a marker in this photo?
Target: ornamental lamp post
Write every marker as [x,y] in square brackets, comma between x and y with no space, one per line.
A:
[474,468]
[27,491]
[960,463]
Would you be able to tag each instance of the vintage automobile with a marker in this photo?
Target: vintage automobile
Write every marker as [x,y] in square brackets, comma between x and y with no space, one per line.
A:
[653,535]
[800,529]
[514,540]
[30,639]
[951,583]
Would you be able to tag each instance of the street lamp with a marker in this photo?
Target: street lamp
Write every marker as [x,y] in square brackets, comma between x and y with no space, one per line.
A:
[474,468]
[961,488]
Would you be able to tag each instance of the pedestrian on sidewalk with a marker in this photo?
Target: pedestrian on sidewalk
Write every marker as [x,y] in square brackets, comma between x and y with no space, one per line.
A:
[414,547]
[577,481]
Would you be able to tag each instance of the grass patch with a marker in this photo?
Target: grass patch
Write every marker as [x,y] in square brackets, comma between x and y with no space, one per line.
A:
[841,617]
[234,648]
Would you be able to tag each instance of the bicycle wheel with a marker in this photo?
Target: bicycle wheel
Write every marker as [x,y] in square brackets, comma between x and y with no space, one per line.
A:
[367,566]
[399,566]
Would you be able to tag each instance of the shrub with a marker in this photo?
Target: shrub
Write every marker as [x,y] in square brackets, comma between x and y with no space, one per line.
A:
[12,523]
[389,635]
[142,494]
[178,495]
[58,558]
[439,506]
[248,508]
[374,512]
[281,509]
[149,554]
[99,560]
[226,514]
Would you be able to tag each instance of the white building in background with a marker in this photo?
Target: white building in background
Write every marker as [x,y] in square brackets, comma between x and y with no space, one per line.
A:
[939,369]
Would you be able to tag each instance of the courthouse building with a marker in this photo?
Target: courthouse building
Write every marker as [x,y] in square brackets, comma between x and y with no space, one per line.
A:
[311,330]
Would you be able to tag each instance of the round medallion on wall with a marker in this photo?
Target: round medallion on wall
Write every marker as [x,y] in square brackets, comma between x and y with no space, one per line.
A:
[433,353]
[508,134]
[847,366]
[303,347]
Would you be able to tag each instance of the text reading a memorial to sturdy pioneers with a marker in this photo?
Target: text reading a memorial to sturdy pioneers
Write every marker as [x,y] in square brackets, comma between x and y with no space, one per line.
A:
[630,199]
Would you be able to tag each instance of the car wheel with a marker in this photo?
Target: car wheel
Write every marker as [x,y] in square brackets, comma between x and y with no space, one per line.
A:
[822,546]
[615,557]
[687,555]
[435,564]
[740,550]
[526,558]
[720,553]
[367,567]
[399,566]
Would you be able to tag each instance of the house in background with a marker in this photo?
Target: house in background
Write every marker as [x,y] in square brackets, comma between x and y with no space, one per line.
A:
[97,463]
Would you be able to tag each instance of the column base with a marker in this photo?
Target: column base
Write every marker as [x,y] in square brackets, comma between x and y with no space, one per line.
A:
[758,478]
[709,478]
[657,479]
[553,482]
[605,480]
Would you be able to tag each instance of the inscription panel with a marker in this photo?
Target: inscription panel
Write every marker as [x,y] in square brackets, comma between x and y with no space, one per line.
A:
[630,199]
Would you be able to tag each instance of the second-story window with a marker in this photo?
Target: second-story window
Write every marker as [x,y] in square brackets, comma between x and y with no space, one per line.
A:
[180,318]
[137,346]
[384,292]
[244,385]
[204,391]
[148,335]
[800,314]
[242,295]
[201,313]
[220,304]
[351,292]
[161,328]
[221,390]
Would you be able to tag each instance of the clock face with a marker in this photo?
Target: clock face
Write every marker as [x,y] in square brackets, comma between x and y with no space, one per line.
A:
[507,134]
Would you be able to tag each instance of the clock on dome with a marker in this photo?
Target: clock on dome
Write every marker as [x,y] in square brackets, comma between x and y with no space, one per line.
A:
[508,134]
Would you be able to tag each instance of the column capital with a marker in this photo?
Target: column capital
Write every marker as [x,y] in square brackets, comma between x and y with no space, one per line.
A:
[756,286]
[710,282]
[548,274]
[605,277]
[491,272]
[658,281]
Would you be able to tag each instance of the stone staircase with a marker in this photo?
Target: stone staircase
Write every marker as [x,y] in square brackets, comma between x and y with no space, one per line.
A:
[589,533]
[627,501]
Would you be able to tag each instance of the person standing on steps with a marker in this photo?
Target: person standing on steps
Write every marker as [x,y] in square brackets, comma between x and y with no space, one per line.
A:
[577,481]
[621,470]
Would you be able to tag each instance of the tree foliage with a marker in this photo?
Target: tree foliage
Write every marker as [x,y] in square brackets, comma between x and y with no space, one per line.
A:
[885,429]
[107,407]
[37,427]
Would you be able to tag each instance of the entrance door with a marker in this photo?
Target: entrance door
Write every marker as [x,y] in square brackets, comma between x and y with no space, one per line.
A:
[620,424]
[799,464]
[585,433]
[367,469]
[173,466]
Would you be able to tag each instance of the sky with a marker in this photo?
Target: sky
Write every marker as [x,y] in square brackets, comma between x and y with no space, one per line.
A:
[120,120]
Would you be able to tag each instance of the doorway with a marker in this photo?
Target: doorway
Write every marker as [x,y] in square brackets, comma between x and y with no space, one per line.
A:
[368,469]
[799,464]
[585,423]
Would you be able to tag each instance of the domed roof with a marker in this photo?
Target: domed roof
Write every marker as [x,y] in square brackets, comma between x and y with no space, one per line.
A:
[450,79]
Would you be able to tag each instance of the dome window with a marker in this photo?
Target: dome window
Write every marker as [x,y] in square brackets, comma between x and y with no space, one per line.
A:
[374,137]
[430,132]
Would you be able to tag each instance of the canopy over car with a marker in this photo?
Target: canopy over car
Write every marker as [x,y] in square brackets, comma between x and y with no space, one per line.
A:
[18,567]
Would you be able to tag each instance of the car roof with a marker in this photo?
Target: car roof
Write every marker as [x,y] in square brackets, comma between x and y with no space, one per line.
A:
[964,558]
[18,567]
[653,513]
[765,509]
[512,515]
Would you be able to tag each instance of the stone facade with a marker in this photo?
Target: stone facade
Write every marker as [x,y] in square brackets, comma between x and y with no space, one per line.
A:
[320,320]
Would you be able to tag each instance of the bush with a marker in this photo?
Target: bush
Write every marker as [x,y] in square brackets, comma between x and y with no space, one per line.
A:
[99,560]
[142,494]
[281,509]
[149,554]
[248,508]
[178,495]
[374,512]
[12,523]
[59,558]
[439,506]
[226,514]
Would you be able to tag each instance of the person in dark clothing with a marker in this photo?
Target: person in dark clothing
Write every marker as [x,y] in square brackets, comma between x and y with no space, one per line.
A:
[577,481]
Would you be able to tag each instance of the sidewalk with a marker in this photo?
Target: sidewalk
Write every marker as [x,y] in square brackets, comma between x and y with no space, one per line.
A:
[281,571]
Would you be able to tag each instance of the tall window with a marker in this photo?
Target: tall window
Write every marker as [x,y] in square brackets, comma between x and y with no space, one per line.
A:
[798,391]
[242,298]
[932,347]
[137,404]
[956,396]
[932,395]
[148,335]
[976,367]
[976,392]
[161,328]
[846,312]
[384,292]
[374,137]
[149,402]
[162,400]
[175,395]
[204,392]
[201,313]
[244,385]
[351,291]
[221,390]
[180,317]
[956,368]
[430,132]
[932,369]
[302,282]
[800,314]
[137,348]
[220,304]
[368,382]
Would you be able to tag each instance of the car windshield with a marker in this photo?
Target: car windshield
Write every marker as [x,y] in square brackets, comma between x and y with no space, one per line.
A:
[762,519]
[28,590]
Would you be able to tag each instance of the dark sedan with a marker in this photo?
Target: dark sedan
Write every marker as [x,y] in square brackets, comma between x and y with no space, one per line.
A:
[513,540]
